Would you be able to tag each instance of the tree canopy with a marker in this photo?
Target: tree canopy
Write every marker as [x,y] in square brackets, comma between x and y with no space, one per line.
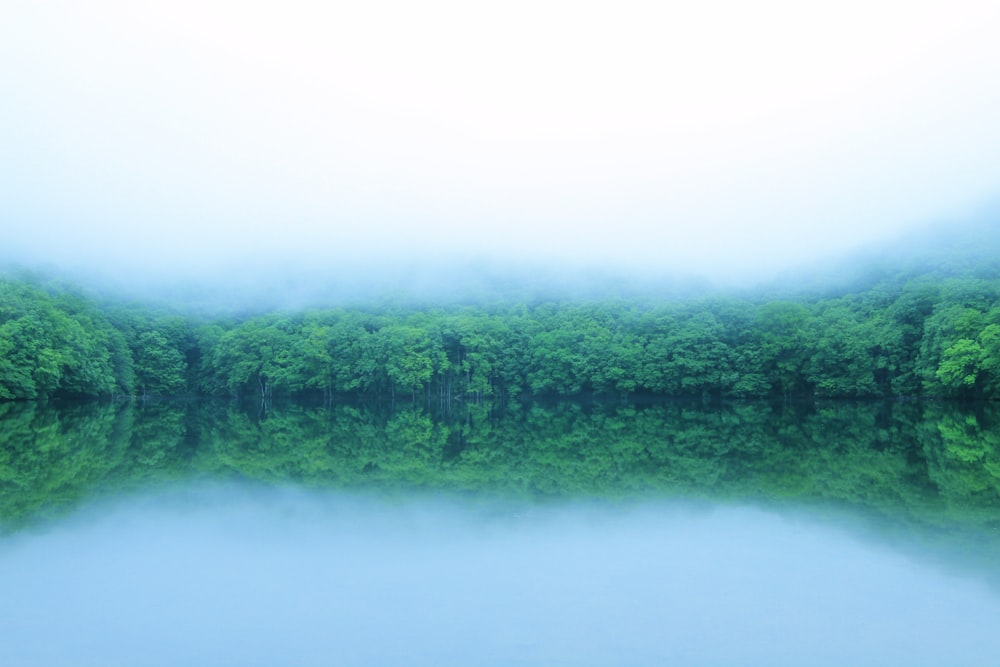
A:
[902,336]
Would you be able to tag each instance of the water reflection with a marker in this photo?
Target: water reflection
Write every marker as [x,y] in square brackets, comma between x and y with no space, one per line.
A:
[929,464]
[618,534]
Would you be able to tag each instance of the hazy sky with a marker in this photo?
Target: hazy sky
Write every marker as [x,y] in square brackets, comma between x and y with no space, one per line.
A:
[715,136]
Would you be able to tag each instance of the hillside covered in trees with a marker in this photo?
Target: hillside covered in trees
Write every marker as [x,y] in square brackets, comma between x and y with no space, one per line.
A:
[925,329]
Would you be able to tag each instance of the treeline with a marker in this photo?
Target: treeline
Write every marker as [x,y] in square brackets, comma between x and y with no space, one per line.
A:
[919,336]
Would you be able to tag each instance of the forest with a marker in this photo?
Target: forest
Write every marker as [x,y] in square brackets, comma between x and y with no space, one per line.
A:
[928,333]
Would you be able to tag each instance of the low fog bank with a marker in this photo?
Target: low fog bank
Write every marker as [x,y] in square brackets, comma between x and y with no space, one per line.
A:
[968,247]
[281,282]
[252,286]
[240,576]
[212,143]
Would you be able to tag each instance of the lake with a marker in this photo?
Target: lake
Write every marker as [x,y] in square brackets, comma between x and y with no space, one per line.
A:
[534,534]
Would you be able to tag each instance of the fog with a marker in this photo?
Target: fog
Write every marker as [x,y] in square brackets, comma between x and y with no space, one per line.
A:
[227,575]
[726,141]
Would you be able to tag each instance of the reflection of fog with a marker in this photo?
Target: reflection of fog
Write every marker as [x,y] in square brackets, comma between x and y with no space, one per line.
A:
[232,577]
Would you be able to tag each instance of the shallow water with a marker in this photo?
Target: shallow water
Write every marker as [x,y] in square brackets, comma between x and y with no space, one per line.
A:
[244,575]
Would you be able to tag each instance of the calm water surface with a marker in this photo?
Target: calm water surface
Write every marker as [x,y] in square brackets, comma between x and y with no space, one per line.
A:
[543,535]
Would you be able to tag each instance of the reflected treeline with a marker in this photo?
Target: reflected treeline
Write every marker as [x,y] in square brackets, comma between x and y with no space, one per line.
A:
[52,459]
[915,468]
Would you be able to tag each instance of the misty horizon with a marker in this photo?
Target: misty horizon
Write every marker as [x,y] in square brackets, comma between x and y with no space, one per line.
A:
[289,284]
[186,142]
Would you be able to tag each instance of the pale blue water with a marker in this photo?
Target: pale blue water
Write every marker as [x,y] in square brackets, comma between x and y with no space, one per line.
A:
[245,575]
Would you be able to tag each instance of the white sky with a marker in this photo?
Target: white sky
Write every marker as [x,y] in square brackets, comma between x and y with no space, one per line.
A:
[717,137]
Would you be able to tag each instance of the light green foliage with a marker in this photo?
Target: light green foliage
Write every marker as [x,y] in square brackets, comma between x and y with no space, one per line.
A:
[257,356]
[56,345]
[410,353]
[989,358]
[159,367]
[959,367]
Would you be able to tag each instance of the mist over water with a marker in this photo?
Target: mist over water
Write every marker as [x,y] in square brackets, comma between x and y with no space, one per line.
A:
[244,575]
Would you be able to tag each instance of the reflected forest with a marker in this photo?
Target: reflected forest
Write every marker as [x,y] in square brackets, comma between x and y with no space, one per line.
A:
[929,473]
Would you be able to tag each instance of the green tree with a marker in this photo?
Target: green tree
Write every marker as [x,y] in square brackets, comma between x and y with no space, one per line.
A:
[160,368]
[781,329]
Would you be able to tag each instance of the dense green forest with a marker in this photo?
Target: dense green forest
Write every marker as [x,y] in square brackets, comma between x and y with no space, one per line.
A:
[921,338]
[929,330]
